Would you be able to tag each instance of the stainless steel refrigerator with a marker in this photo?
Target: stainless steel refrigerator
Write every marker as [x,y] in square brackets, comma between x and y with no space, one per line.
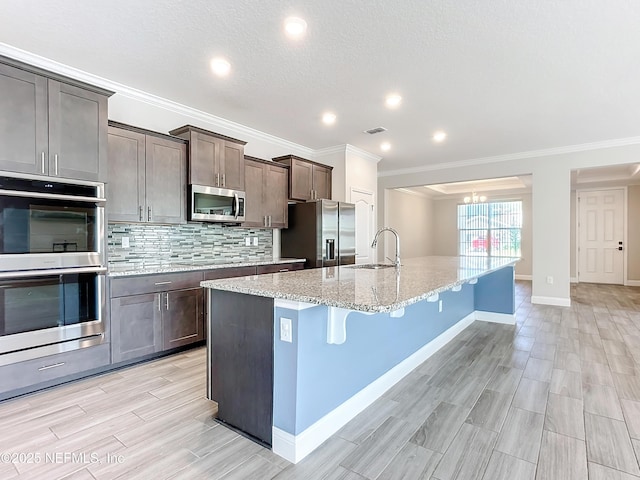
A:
[323,232]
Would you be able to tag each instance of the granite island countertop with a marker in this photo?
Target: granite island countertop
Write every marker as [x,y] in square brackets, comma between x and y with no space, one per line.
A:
[150,268]
[366,290]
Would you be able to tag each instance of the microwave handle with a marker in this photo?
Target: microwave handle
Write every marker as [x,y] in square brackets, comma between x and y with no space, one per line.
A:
[236,204]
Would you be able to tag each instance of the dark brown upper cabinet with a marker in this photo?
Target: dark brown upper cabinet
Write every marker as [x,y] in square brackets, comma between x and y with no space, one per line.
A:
[51,125]
[147,173]
[266,194]
[214,160]
[308,180]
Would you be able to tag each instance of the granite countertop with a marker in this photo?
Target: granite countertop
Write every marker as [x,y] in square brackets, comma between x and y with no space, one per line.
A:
[150,268]
[366,290]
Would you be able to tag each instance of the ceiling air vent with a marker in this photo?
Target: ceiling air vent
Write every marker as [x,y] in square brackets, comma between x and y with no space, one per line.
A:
[373,131]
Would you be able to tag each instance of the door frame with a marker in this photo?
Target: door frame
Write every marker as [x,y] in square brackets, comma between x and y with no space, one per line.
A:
[373,214]
[625,219]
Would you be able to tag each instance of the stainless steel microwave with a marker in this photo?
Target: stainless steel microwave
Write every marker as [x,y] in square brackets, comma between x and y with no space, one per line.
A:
[211,204]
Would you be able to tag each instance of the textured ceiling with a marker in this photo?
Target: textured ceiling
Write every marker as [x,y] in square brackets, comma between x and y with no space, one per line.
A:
[500,77]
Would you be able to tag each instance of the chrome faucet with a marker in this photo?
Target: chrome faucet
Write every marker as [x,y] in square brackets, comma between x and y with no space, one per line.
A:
[375,242]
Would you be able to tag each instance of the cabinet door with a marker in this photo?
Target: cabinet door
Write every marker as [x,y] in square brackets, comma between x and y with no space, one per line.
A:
[232,166]
[136,326]
[126,186]
[23,121]
[165,173]
[322,182]
[182,318]
[275,197]
[301,180]
[77,132]
[254,208]
[205,152]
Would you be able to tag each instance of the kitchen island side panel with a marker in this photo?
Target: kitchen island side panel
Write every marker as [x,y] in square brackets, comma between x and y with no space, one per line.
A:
[495,292]
[241,353]
[321,376]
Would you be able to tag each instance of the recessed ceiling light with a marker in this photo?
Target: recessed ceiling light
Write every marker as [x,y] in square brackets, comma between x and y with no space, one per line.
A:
[329,118]
[393,100]
[386,146]
[439,136]
[295,27]
[220,66]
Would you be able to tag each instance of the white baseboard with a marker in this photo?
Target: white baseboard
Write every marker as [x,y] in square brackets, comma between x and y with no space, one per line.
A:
[506,318]
[295,447]
[632,283]
[524,277]
[556,301]
[573,280]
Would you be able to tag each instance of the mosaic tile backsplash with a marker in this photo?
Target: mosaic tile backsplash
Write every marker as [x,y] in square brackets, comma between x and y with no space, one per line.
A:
[158,244]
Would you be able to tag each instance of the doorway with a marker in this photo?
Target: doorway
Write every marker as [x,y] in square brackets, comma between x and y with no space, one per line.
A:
[365,221]
[601,235]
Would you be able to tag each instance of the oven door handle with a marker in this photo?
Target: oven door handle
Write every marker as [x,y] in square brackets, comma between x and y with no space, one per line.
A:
[51,271]
[53,196]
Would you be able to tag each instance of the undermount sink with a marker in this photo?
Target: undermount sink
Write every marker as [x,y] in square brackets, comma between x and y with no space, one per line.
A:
[373,266]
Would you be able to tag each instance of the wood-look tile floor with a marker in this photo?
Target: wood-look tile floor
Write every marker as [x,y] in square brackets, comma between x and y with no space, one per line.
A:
[555,397]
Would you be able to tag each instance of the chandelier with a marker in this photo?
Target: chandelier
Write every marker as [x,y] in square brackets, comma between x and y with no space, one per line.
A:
[475,198]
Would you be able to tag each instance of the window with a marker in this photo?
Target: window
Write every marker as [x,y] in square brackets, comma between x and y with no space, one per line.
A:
[490,229]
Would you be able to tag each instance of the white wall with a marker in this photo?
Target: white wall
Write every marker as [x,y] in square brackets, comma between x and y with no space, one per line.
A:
[445,228]
[551,205]
[413,220]
[633,234]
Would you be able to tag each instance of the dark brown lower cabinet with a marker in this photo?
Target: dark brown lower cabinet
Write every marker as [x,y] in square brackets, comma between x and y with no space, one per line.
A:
[136,326]
[183,317]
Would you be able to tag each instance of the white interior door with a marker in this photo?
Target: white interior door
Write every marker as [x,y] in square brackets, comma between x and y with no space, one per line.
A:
[365,215]
[600,236]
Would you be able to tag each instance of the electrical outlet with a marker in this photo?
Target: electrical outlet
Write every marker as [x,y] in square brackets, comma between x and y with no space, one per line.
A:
[247,241]
[255,241]
[125,242]
[285,329]
[550,280]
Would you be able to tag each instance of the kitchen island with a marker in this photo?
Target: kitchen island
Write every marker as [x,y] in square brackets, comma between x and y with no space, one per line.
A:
[294,356]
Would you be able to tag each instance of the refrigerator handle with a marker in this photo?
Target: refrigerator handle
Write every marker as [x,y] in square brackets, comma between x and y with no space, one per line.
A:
[331,249]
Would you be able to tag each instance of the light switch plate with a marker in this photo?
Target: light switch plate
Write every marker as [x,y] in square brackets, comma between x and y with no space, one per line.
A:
[247,241]
[125,242]
[255,241]
[285,329]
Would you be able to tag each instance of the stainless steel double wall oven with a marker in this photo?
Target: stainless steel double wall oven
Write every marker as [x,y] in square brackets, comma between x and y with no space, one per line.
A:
[52,266]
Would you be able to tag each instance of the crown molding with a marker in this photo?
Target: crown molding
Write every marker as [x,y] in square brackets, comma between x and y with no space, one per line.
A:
[347,148]
[363,153]
[150,99]
[323,152]
[619,142]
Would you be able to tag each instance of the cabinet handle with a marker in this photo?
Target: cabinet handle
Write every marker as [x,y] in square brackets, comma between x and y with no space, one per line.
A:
[217,179]
[269,220]
[148,214]
[163,283]
[284,270]
[51,366]
[159,302]
[224,180]
[55,164]
[42,162]
[140,212]
[166,299]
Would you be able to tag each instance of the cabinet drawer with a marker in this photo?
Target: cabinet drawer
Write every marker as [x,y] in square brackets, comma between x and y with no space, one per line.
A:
[229,272]
[46,369]
[124,286]
[280,267]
